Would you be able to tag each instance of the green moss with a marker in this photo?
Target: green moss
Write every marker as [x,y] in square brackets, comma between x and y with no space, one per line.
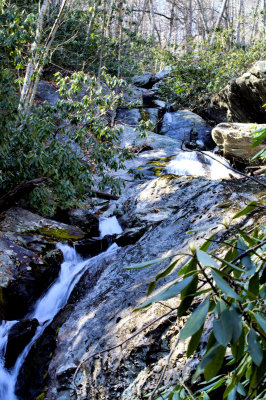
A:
[144,115]
[41,396]
[157,171]
[61,234]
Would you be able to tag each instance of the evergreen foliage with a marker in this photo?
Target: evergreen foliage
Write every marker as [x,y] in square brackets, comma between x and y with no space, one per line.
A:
[226,287]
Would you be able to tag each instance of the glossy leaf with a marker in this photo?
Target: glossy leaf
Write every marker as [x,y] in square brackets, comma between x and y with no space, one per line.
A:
[246,210]
[261,321]
[206,260]
[254,347]
[194,342]
[168,293]
[223,328]
[195,321]
[223,286]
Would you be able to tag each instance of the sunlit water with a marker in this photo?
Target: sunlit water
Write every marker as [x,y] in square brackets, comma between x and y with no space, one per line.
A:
[51,302]
[200,164]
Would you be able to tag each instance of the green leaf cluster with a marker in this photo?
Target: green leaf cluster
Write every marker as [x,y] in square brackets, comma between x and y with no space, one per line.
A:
[229,292]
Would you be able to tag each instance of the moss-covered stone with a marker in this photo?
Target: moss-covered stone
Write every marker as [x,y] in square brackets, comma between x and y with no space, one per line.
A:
[61,234]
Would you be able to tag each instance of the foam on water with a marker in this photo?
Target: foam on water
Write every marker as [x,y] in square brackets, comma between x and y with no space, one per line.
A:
[50,303]
[109,226]
[205,163]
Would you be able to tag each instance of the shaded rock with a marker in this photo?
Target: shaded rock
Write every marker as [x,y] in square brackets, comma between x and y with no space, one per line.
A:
[19,336]
[144,81]
[47,92]
[29,259]
[235,141]
[91,247]
[242,99]
[132,96]
[185,127]
[85,220]
[130,235]
[128,117]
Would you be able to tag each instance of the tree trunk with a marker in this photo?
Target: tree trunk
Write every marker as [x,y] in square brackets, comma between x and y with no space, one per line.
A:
[219,19]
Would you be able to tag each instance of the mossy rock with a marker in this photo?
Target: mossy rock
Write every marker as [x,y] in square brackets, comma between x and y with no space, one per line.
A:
[61,234]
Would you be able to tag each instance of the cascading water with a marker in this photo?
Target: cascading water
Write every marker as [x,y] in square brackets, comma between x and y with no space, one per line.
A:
[50,303]
[205,163]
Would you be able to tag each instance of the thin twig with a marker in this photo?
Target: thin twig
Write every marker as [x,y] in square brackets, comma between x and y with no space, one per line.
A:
[165,367]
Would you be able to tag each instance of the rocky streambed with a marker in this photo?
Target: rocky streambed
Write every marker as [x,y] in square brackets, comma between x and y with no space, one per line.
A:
[173,185]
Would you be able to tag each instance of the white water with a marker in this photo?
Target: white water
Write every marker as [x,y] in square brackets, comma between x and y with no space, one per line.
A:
[109,226]
[50,303]
[200,164]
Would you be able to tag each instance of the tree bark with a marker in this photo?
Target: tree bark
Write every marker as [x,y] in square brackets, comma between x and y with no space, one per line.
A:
[219,19]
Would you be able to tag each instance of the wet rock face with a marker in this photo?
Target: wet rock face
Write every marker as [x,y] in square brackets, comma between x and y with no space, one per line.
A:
[235,140]
[103,316]
[91,247]
[32,377]
[242,99]
[187,128]
[19,336]
[29,259]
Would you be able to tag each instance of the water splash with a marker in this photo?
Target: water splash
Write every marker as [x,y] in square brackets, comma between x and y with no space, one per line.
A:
[109,226]
[50,304]
[203,163]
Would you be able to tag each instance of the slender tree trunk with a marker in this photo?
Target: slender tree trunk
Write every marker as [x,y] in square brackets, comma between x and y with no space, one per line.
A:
[27,84]
[219,19]
[35,66]
[102,40]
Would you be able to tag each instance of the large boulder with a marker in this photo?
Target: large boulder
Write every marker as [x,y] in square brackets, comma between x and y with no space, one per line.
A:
[242,99]
[103,318]
[18,337]
[146,80]
[235,141]
[187,128]
[134,116]
[47,92]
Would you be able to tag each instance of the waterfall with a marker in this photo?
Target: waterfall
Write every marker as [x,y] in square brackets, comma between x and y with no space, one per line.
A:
[205,163]
[72,268]
[109,226]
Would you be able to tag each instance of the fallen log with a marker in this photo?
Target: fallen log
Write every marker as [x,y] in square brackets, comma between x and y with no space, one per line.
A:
[103,195]
[18,192]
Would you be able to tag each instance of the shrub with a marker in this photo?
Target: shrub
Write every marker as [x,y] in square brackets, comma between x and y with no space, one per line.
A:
[229,291]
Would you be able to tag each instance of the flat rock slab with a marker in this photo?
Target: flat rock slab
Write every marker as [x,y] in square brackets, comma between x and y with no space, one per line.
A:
[235,140]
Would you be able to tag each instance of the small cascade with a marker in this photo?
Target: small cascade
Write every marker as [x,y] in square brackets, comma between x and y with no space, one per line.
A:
[203,163]
[109,226]
[50,303]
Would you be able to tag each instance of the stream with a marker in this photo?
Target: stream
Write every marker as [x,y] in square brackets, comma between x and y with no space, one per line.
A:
[46,308]
[203,163]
